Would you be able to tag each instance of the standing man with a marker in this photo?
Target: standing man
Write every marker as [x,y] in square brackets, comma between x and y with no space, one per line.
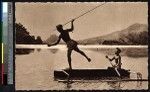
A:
[71,44]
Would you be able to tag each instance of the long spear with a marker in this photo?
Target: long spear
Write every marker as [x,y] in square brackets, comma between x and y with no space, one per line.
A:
[84,13]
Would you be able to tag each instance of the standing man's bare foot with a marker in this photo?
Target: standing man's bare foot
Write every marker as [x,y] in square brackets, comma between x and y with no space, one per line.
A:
[68,68]
[89,59]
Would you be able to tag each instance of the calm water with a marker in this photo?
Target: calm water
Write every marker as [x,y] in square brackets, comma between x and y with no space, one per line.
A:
[34,71]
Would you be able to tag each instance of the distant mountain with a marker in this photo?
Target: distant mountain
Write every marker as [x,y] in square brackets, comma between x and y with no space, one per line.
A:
[136,34]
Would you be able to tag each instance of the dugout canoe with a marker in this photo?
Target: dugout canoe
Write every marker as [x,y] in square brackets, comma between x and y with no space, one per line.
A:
[90,73]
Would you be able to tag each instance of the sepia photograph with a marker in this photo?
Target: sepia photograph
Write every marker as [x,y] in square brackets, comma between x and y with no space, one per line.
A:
[81,46]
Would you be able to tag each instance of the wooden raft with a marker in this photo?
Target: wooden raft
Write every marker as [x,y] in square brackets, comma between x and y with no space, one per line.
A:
[89,73]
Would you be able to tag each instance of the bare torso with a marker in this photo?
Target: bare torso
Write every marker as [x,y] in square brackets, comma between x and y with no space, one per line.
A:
[65,36]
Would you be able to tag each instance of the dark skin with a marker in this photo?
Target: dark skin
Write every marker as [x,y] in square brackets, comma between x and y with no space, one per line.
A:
[117,60]
[64,35]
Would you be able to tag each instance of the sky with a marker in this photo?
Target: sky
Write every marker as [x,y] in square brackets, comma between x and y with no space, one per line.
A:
[40,19]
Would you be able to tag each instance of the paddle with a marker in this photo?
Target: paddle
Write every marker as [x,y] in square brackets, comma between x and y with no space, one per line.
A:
[113,66]
[65,73]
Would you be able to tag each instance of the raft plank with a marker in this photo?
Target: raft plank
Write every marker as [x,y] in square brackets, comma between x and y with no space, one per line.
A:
[90,73]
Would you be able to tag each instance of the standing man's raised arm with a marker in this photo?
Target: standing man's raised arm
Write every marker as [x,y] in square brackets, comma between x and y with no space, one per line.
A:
[72,26]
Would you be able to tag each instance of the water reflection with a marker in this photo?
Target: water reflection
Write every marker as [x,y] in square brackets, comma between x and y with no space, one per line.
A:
[68,85]
[54,51]
[121,84]
[23,51]
[38,50]
[139,84]
[117,85]
[28,51]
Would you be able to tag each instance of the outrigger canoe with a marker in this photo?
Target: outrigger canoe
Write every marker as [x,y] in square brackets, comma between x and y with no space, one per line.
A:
[90,73]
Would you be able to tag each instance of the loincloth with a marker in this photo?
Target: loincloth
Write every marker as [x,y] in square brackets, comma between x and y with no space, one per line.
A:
[72,44]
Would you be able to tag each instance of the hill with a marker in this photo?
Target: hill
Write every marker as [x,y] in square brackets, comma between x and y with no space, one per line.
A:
[136,34]
[24,37]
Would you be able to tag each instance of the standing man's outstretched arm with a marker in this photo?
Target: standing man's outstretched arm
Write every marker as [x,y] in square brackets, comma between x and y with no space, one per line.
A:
[72,27]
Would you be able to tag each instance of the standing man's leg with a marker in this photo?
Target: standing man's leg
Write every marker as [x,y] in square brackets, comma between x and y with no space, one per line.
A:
[82,53]
[69,58]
